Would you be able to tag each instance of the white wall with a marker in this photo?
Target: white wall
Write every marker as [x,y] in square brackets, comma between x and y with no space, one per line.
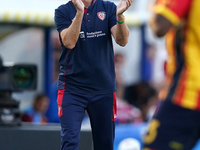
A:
[132,53]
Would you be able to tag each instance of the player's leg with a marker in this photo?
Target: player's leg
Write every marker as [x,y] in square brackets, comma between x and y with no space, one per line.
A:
[173,127]
[71,114]
[100,111]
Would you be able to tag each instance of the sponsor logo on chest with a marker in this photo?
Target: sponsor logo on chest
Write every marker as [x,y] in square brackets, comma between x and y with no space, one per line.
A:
[95,34]
[82,34]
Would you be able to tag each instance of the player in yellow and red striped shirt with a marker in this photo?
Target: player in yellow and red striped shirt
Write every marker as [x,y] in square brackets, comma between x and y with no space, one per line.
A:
[176,126]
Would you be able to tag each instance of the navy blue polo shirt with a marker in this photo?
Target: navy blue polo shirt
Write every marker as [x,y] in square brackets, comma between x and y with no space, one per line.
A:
[88,67]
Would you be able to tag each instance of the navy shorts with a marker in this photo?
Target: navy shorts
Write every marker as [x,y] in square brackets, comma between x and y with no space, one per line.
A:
[101,110]
[173,128]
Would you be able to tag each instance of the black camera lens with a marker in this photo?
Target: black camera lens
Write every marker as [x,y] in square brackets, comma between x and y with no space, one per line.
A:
[23,77]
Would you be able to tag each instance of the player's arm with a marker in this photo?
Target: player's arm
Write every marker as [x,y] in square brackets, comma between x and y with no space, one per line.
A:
[160,25]
[70,35]
[120,31]
[168,13]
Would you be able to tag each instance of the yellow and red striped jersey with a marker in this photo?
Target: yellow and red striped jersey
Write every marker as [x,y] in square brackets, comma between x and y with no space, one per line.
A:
[183,45]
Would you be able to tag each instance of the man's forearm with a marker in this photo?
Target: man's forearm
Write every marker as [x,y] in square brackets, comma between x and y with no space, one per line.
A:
[70,35]
[159,25]
[122,32]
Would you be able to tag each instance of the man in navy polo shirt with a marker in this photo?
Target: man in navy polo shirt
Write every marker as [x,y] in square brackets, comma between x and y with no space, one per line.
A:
[87,78]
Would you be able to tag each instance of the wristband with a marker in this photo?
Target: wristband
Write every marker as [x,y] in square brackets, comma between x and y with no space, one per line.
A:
[120,22]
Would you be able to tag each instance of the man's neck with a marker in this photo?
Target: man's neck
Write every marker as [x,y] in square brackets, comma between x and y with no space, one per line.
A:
[87,3]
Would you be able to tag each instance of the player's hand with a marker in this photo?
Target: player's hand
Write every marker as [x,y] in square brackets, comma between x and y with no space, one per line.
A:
[78,5]
[122,6]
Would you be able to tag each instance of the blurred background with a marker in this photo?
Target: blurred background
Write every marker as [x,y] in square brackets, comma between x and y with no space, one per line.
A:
[28,37]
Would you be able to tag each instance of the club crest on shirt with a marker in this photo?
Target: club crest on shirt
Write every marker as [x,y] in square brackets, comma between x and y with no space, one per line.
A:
[101,15]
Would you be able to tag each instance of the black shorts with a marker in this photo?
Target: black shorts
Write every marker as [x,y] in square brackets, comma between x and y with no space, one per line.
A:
[173,128]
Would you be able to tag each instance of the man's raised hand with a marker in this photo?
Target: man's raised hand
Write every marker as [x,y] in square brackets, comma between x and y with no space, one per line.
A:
[122,6]
[79,5]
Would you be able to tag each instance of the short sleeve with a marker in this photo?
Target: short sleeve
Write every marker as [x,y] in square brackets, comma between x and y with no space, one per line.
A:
[62,21]
[112,17]
[173,10]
